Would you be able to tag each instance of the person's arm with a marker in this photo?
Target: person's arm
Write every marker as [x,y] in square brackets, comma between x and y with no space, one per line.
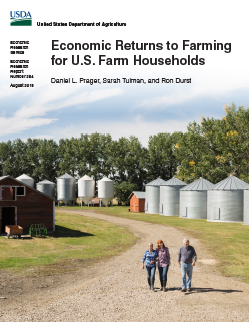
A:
[154,260]
[168,254]
[143,259]
[194,257]
[179,258]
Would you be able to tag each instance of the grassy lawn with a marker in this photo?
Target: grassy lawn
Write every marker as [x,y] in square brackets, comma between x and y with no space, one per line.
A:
[227,242]
[77,240]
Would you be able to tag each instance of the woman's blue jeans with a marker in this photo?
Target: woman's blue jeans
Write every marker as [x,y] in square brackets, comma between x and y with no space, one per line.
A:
[163,271]
[151,271]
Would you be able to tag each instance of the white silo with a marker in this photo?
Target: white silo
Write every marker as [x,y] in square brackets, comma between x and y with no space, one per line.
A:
[105,190]
[193,199]
[46,187]
[27,180]
[225,200]
[66,189]
[86,189]
[170,197]
[246,207]
[152,196]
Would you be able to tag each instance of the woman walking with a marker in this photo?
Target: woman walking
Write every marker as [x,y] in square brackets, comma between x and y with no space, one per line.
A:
[150,258]
[163,263]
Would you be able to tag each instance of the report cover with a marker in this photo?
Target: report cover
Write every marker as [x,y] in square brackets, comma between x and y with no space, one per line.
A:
[124,68]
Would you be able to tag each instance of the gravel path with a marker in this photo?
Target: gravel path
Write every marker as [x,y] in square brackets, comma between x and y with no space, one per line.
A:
[117,290]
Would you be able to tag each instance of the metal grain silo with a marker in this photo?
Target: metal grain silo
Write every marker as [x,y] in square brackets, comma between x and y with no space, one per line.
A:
[66,188]
[27,180]
[170,197]
[46,187]
[225,200]
[105,190]
[86,189]
[193,199]
[152,196]
[246,207]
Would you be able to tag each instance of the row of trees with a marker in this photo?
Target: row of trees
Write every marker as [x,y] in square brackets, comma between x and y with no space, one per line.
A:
[212,149]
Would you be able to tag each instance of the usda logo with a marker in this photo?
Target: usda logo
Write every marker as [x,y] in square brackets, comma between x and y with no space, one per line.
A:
[20,18]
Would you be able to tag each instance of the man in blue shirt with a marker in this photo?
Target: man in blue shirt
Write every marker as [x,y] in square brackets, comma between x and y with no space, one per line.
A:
[186,260]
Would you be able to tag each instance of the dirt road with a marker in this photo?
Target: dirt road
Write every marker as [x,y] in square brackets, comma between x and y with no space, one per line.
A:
[116,290]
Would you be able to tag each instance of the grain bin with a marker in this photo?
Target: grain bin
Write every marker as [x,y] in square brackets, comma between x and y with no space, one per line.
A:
[152,196]
[225,200]
[170,197]
[86,189]
[47,187]
[66,189]
[26,180]
[105,190]
[193,199]
[246,207]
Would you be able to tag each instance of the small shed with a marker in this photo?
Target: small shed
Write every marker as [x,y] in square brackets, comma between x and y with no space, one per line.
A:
[137,201]
[22,205]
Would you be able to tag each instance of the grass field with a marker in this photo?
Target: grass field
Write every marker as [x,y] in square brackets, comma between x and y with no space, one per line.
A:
[227,242]
[77,240]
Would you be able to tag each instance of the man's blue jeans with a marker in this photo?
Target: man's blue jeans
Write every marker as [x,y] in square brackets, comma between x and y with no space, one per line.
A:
[187,269]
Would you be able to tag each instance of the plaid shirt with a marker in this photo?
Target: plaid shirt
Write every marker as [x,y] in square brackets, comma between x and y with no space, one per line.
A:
[149,257]
[164,257]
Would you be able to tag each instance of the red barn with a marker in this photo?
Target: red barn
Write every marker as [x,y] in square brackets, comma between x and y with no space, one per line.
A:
[137,201]
[22,205]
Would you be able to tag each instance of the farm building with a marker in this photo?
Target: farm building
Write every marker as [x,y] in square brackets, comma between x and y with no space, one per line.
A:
[225,200]
[137,201]
[193,199]
[22,205]
[152,196]
[170,197]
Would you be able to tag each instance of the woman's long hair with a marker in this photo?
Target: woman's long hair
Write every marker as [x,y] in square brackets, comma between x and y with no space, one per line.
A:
[159,242]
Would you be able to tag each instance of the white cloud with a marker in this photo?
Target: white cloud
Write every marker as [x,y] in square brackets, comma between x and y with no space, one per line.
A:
[138,127]
[28,117]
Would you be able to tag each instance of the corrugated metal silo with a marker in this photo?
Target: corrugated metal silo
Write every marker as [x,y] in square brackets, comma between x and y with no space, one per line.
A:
[86,189]
[225,200]
[152,196]
[105,190]
[193,199]
[46,187]
[170,197]
[246,207]
[27,180]
[66,188]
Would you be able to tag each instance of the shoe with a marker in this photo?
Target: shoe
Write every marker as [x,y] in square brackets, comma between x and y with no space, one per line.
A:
[164,286]
[189,289]
[183,290]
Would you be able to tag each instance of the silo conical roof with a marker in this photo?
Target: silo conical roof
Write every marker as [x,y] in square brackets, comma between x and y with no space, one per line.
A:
[66,176]
[45,182]
[199,185]
[157,182]
[85,177]
[23,176]
[231,183]
[105,179]
[174,182]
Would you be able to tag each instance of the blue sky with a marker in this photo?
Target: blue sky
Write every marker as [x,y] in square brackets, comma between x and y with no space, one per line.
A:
[65,110]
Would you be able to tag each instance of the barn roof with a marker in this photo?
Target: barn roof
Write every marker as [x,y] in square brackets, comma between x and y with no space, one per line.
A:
[174,182]
[157,182]
[231,183]
[199,185]
[26,185]
[138,194]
